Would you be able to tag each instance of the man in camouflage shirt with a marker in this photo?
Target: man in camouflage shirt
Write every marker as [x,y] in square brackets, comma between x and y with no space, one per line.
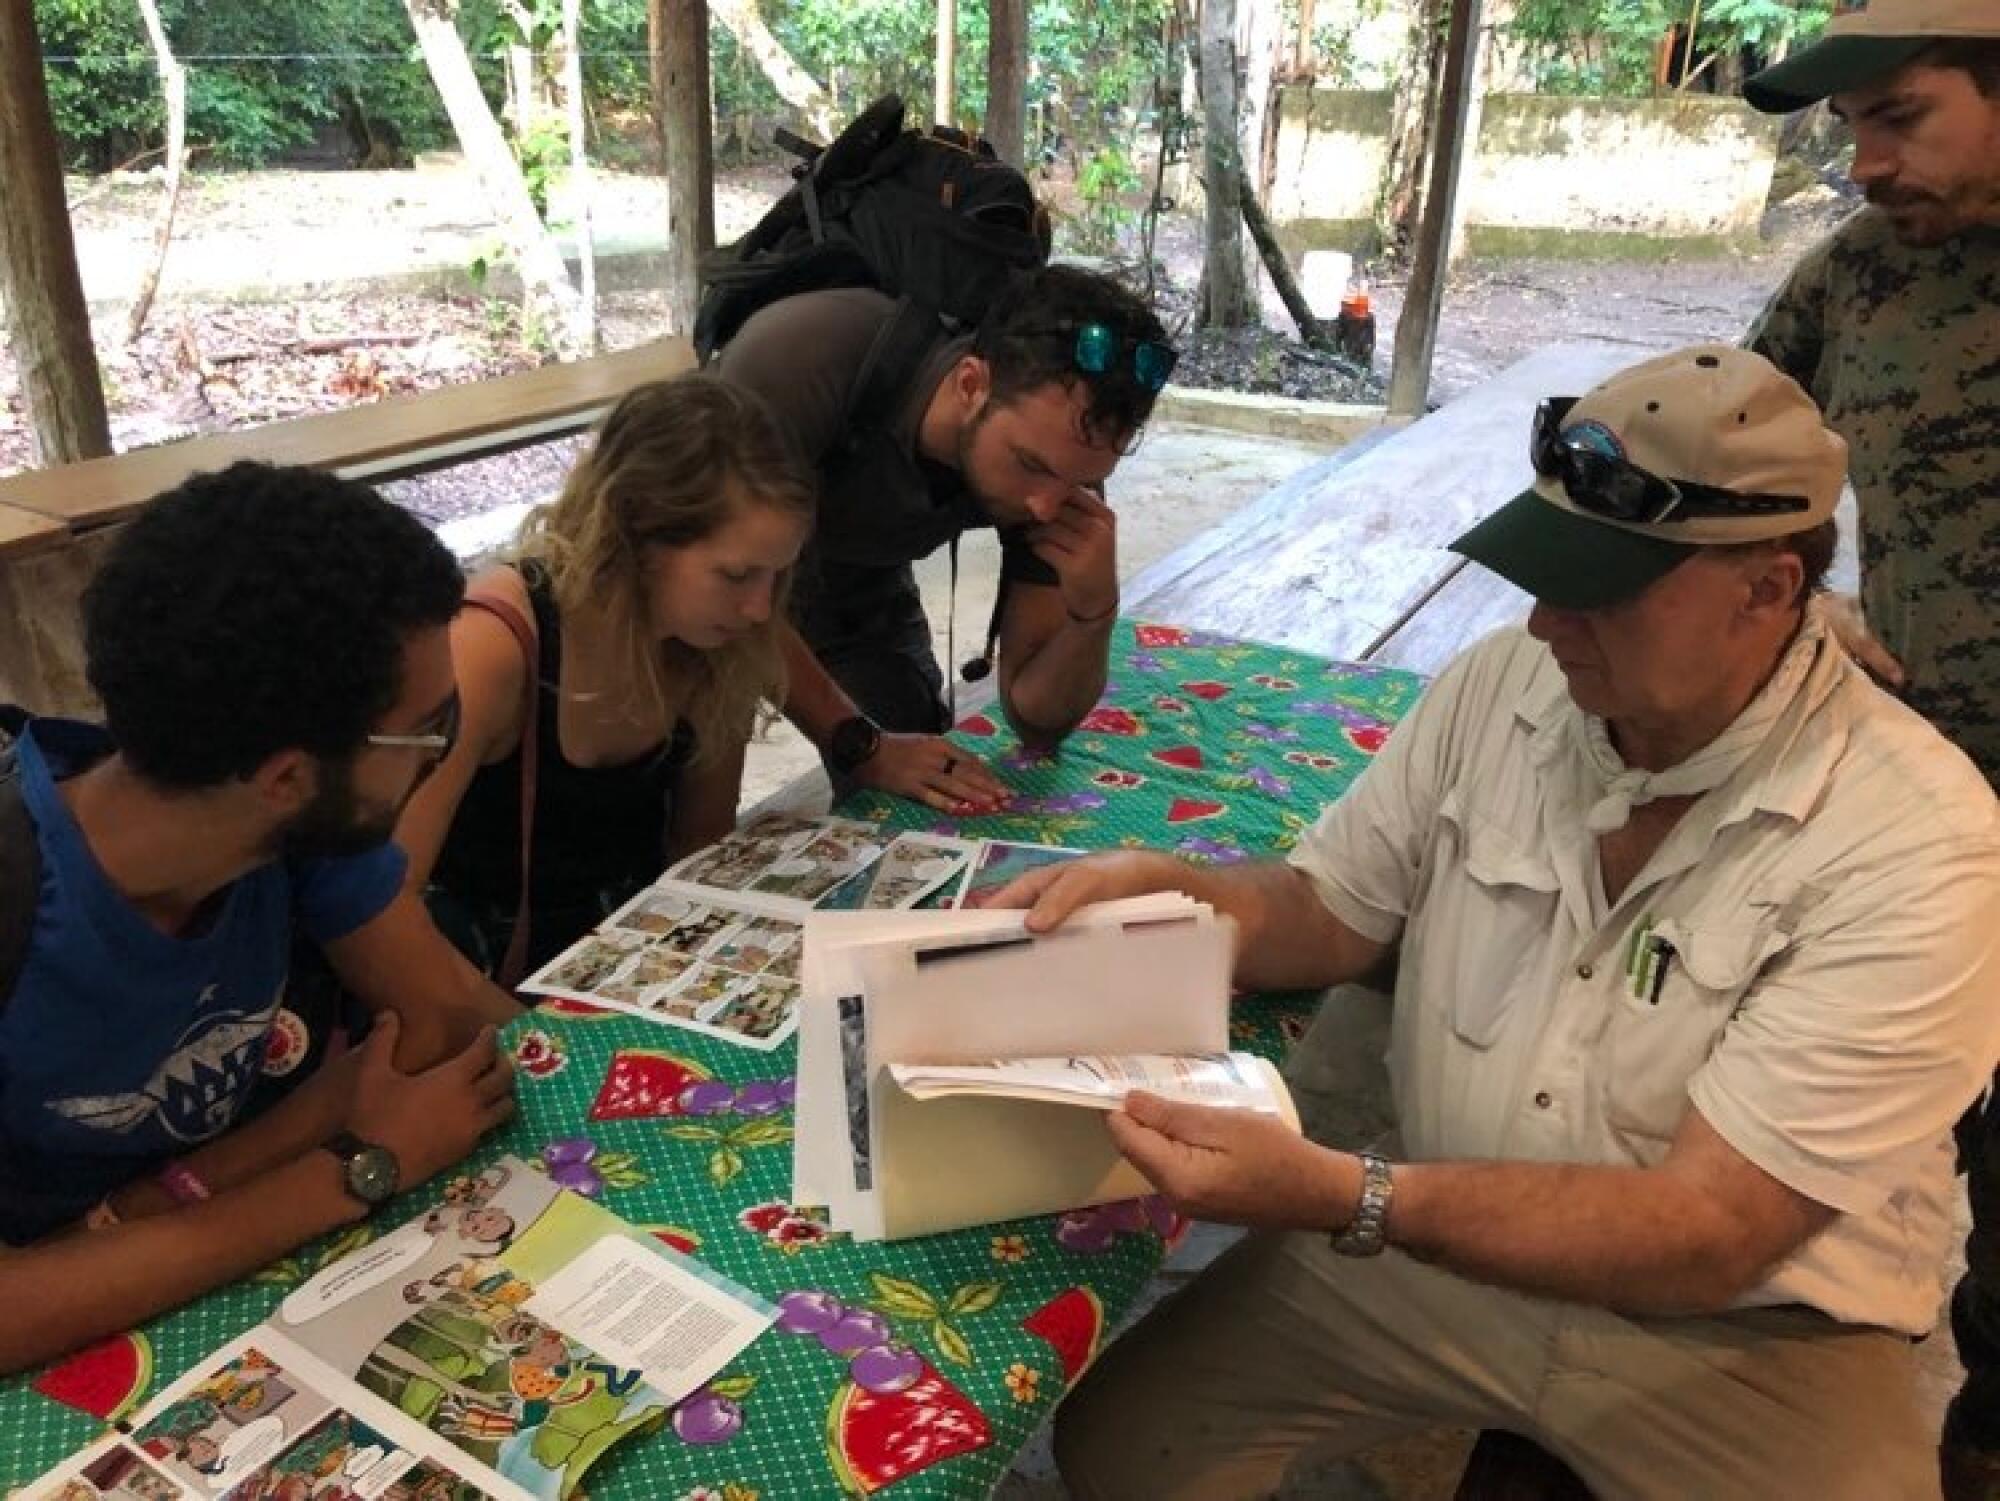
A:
[1893,325]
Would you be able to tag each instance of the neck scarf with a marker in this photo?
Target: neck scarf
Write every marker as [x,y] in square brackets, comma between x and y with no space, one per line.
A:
[1621,788]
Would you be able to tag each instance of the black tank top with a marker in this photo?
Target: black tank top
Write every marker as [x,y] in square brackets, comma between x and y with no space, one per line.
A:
[600,831]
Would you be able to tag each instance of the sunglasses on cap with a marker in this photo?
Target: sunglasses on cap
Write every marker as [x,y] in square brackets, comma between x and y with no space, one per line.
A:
[1097,347]
[1608,485]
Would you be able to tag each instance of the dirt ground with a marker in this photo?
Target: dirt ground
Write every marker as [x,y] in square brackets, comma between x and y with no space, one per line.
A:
[261,317]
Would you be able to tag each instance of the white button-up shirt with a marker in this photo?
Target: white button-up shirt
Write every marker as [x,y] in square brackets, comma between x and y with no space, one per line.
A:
[1832,1000]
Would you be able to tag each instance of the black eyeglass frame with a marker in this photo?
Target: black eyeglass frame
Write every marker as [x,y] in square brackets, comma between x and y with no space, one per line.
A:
[1614,487]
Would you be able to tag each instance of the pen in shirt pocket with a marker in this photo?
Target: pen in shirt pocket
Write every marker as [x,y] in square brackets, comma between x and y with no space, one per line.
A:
[1663,955]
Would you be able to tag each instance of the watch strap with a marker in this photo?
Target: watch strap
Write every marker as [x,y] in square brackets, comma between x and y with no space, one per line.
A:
[853,741]
[1367,1234]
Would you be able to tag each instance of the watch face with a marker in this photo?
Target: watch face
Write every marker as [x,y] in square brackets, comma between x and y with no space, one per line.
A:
[371,1175]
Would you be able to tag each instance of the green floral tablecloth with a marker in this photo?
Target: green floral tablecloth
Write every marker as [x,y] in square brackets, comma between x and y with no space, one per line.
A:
[1218,749]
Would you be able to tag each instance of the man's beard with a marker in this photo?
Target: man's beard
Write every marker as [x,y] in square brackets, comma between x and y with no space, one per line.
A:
[332,826]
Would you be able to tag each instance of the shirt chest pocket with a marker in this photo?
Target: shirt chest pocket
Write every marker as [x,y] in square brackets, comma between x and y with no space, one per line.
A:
[1494,927]
[1666,1021]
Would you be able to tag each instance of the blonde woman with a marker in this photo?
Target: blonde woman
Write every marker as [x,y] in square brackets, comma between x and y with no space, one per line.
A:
[611,673]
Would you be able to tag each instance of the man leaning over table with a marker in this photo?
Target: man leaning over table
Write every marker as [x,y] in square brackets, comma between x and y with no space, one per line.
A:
[1699,960]
[270,646]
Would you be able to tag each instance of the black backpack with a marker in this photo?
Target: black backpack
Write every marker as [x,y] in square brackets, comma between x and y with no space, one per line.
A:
[933,218]
[20,857]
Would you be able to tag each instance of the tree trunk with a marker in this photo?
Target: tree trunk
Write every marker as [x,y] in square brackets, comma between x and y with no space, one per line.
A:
[552,306]
[1311,330]
[1412,125]
[1230,303]
[48,322]
[795,86]
[945,105]
[1260,40]
[1305,57]
[173,84]
[1007,79]
[687,129]
[579,166]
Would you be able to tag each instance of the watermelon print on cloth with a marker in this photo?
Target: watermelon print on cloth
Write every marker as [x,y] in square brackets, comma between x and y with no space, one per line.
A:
[889,1372]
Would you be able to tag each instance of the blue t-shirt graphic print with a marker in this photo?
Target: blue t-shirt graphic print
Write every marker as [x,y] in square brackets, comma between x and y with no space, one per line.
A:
[121,1045]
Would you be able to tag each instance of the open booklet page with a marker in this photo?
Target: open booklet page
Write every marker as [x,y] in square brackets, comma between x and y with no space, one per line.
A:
[499,1347]
[1240,1081]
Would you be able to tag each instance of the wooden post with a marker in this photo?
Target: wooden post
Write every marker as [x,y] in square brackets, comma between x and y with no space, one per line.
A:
[944,106]
[687,127]
[1007,78]
[1416,330]
[48,322]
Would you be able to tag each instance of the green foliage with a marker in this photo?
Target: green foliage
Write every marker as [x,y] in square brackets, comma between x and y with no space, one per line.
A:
[266,76]
[1102,188]
[1612,46]
[543,151]
[263,75]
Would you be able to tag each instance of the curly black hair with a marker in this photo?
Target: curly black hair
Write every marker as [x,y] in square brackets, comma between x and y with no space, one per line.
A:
[1028,339]
[258,610]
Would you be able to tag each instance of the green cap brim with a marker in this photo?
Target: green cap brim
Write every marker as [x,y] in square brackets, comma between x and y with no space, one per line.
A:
[1828,67]
[1566,560]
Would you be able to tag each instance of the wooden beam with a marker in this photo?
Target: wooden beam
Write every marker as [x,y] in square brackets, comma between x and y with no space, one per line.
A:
[944,105]
[48,322]
[687,126]
[1416,330]
[381,440]
[1007,78]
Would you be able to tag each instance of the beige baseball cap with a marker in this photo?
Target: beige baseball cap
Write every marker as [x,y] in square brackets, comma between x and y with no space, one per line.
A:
[1867,40]
[1713,416]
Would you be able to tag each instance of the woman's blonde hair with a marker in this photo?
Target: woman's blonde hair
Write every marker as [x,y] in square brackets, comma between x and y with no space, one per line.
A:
[671,464]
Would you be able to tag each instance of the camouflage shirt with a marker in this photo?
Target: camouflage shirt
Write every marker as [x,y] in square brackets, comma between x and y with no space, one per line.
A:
[1900,346]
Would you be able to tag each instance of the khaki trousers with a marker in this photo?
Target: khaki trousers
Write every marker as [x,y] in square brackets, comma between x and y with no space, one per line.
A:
[1282,1350]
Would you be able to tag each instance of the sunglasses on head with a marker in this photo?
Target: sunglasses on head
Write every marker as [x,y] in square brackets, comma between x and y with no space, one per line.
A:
[1097,346]
[1608,485]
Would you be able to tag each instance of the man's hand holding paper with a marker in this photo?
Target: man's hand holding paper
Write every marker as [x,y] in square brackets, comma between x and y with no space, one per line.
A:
[1234,1166]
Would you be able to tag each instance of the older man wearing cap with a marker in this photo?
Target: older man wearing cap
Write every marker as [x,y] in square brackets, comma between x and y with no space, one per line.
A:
[1893,325]
[1700,938]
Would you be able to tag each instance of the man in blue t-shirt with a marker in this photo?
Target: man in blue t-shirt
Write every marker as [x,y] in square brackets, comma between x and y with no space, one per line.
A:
[270,647]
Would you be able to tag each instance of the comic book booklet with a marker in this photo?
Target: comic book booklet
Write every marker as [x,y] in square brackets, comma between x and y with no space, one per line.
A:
[714,945]
[494,1350]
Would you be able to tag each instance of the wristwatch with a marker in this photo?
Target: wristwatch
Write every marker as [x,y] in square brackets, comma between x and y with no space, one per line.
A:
[369,1172]
[1367,1234]
[852,742]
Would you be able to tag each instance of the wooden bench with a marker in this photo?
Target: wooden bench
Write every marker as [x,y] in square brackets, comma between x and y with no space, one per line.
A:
[56,523]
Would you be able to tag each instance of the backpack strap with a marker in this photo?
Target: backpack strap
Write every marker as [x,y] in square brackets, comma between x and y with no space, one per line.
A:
[893,359]
[20,861]
[514,965]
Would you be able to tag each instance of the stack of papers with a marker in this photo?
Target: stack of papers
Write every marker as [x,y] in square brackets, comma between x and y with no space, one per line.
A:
[954,1068]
